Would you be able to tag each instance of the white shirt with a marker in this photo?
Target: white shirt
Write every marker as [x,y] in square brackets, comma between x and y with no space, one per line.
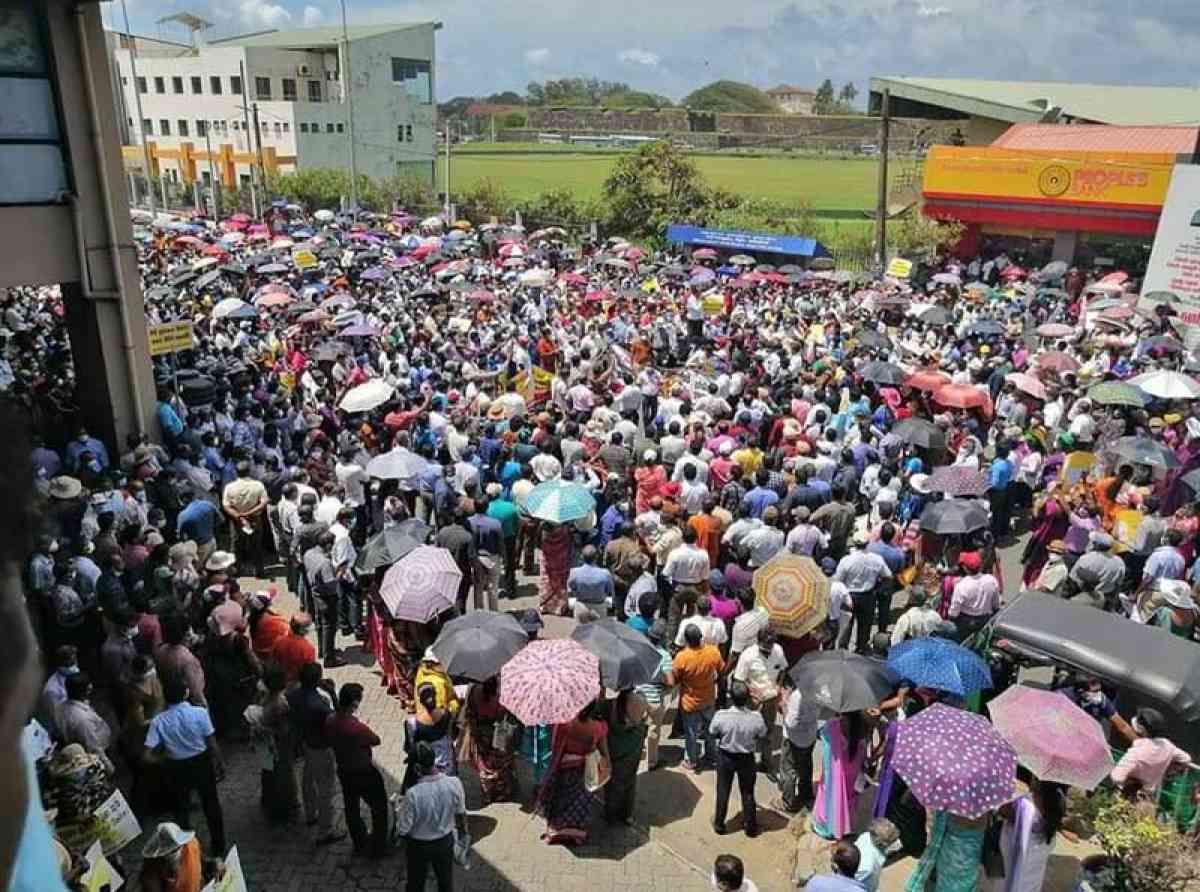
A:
[746,628]
[545,466]
[687,564]
[351,477]
[761,672]
[710,627]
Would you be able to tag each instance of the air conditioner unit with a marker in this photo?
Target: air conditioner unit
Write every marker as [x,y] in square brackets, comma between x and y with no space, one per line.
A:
[304,70]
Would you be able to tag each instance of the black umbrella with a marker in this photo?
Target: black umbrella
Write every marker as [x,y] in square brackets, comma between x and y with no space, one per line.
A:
[475,646]
[919,432]
[790,269]
[986,328]
[392,543]
[842,681]
[884,373]
[1192,479]
[626,656]
[953,516]
[936,316]
[872,339]
[1144,451]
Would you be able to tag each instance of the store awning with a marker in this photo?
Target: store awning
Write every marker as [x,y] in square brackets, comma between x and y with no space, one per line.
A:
[745,242]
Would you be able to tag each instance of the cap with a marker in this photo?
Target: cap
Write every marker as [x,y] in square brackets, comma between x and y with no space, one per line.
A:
[970,560]
[167,838]
[1099,540]
[716,580]
[649,455]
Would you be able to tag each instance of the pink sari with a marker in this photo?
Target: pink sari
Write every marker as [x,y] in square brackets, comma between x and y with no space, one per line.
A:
[833,810]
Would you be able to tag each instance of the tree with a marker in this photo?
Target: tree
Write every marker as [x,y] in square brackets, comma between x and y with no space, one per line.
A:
[731,96]
[917,237]
[407,192]
[514,120]
[848,93]
[652,187]
[507,97]
[456,107]
[823,102]
[537,95]
[482,200]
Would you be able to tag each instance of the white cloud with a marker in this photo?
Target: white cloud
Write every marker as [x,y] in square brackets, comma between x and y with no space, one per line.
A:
[933,12]
[538,56]
[313,16]
[639,57]
[261,14]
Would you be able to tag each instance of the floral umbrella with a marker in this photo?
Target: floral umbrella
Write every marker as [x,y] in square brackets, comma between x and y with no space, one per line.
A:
[549,682]
[794,592]
[421,584]
[559,502]
[955,761]
[958,480]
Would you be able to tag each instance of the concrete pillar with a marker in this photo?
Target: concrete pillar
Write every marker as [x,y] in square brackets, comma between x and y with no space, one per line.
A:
[1065,243]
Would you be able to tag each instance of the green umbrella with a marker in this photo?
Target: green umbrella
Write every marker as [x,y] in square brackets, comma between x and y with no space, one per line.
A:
[1116,393]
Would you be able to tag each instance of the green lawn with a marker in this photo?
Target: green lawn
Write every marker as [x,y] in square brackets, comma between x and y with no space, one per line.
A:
[833,183]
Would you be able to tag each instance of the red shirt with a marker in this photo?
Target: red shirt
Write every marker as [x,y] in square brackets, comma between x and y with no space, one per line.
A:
[351,741]
[292,652]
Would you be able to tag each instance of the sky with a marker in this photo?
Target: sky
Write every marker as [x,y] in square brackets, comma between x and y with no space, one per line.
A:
[673,46]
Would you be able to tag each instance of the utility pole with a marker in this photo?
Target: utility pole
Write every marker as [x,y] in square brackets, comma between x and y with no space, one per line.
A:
[348,96]
[881,200]
[212,173]
[447,209]
[249,145]
[137,95]
[262,170]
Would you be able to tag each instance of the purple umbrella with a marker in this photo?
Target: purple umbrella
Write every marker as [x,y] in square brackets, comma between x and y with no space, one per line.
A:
[401,262]
[375,274]
[955,761]
[421,584]
[361,330]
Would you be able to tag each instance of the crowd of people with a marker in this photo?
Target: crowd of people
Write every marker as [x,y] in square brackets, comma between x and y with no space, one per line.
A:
[353,386]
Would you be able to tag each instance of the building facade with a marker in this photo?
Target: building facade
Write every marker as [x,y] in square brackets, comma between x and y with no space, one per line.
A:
[793,100]
[279,99]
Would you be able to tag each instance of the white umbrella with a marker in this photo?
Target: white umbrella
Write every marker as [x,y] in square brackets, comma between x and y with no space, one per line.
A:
[1167,385]
[368,396]
[282,242]
[432,223]
[231,306]
[324,216]
[204,263]
[536,277]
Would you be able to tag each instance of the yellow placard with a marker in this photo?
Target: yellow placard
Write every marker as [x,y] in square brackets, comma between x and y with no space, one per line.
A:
[171,338]
[900,268]
[304,259]
[1076,466]
[1126,524]
[713,304]
[1109,178]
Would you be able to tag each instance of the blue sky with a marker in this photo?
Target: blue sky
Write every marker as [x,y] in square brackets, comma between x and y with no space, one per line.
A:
[673,46]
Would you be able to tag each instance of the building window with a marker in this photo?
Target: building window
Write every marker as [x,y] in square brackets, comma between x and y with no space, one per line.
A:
[160,85]
[201,127]
[183,127]
[164,126]
[124,82]
[289,89]
[413,76]
[262,88]
[303,127]
[329,128]
[316,128]
[197,85]
[141,85]
[177,85]
[147,127]
[214,85]
[244,179]
[278,129]
[287,128]
[341,128]
[408,132]
[314,91]
[235,85]
[129,123]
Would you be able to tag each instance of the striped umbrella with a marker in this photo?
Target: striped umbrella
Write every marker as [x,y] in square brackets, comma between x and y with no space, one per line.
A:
[1116,393]
[549,682]
[794,592]
[958,480]
[421,584]
[1053,737]
[558,501]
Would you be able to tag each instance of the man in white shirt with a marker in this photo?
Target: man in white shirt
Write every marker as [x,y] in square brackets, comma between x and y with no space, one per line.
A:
[800,716]
[692,492]
[766,540]
[711,628]
[761,667]
[343,556]
[351,477]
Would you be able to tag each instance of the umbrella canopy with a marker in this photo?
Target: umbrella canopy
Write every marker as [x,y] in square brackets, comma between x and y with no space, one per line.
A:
[1055,330]
[549,682]
[398,464]
[955,761]
[927,379]
[842,681]
[1144,451]
[704,254]
[936,316]
[884,373]
[360,330]
[940,664]
[367,396]
[626,656]
[477,646]
[958,480]
[421,584]
[794,592]
[947,279]
[536,277]
[953,516]
[1116,393]
[1027,383]
[559,502]
[872,339]
[391,544]
[1167,385]
[1053,737]
[962,396]
[986,328]
[1057,361]
[919,432]
[233,308]
[741,260]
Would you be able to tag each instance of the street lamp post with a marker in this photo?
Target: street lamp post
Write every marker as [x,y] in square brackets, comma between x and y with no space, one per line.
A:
[137,95]
[348,96]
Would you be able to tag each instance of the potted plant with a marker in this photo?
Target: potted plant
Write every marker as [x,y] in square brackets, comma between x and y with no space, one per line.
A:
[1141,852]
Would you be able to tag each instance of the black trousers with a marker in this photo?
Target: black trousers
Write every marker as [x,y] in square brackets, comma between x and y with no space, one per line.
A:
[423,854]
[366,786]
[181,776]
[1001,511]
[327,623]
[795,775]
[740,765]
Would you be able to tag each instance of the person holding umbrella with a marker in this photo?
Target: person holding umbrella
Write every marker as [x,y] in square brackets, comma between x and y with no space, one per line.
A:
[487,741]
[844,751]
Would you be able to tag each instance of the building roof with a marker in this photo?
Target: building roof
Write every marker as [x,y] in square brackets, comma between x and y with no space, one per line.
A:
[1028,101]
[1100,138]
[785,89]
[308,38]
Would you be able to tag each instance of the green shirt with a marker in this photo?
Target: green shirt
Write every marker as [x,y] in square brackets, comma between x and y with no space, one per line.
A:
[505,512]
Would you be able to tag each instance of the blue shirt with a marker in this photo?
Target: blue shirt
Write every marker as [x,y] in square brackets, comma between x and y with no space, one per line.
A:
[197,522]
[892,556]
[489,535]
[590,584]
[759,499]
[638,622]
[1002,473]
[833,883]
[182,730]
[77,447]
[171,424]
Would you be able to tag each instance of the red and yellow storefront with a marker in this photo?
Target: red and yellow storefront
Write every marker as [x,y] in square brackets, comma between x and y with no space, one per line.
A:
[1056,195]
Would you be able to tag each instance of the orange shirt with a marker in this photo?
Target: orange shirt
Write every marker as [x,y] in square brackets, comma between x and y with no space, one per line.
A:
[270,629]
[708,532]
[187,878]
[696,670]
[292,652]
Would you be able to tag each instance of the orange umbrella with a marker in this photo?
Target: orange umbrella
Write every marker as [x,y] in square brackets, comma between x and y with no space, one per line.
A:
[927,379]
[963,396]
[794,592]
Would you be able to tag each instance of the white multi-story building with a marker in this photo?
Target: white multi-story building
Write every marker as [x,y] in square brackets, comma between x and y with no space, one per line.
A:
[291,80]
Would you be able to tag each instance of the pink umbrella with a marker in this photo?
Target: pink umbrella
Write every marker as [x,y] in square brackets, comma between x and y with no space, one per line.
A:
[512,250]
[1120,277]
[573,279]
[549,682]
[421,584]
[482,296]
[1053,737]
[1027,384]
[704,254]
[274,299]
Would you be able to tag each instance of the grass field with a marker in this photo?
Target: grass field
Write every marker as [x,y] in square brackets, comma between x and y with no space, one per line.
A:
[526,171]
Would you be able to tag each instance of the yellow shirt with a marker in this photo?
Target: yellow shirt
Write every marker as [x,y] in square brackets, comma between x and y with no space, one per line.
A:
[446,698]
[750,460]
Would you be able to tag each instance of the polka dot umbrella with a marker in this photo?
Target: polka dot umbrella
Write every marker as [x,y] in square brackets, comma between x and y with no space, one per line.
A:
[794,592]
[549,681]
[955,761]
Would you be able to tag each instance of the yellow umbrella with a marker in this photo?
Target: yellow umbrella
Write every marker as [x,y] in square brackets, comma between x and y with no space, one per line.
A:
[794,592]
[461,224]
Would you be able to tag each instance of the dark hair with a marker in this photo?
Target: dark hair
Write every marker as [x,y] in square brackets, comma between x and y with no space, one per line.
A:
[174,690]
[856,733]
[310,675]
[350,693]
[78,685]
[1054,803]
[174,628]
[738,692]
[647,605]
[427,694]
[693,636]
[846,858]
[729,871]
[423,757]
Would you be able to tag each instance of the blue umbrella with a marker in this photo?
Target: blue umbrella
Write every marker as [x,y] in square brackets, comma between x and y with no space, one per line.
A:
[375,274]
[728,270]
[559,502]
[940,664]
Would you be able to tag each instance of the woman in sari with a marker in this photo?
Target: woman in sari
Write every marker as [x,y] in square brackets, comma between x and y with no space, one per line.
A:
[954,853]
[482,714]
[429,724]
[895,801]
[280,793]
[562,797]
[556,567]
[626,719]
[650,478]
[843,751]
[1049,523]
[1027,837]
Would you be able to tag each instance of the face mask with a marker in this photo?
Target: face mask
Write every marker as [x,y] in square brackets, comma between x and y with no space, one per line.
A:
[1095,696]
[69,670]
[140,495]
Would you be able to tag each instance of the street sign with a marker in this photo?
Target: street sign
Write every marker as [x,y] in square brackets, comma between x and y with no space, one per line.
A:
[171,338]
[899,268]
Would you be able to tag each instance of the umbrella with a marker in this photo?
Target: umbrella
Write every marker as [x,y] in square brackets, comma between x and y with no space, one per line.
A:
[374,274]
[947,279]
[398,464]
[207,279]
[549,682]
[390,544]
[1144,451]
[940,664]
[1026,383]
[1054,269]
[626,656]
[1192,479]
[272,268]
[618,263]
[233,308]
[794,592]
[557,501]
[962,396]
[742,260]
[367,396]
[477,646]
[873,339]
[1052,736]
[1116,393]
[936,316]
[537,277]
[1163,343]
[842,681]
[955,761]
[1167,385]
[704,254]
[958,480]
[1055,330]
[986,328]
[927,379]
[421,584]
[919,432]
[361,330]
[1057,361]
[953,516]
[204,263]
[821,263]
[883,373]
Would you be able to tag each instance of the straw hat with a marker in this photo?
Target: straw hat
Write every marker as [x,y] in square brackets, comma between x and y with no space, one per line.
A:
[167,838]
[65,487]
[183,551]
[496,412]
[220,560]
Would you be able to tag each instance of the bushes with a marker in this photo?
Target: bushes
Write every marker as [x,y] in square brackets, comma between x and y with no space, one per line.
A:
[1142,852]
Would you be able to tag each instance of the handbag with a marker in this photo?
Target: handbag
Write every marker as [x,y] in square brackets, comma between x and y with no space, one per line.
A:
[597,771]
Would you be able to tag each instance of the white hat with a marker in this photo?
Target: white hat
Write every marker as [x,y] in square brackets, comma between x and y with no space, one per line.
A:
[649,455]
[919,483]
[220,560]
[65,487]
[1177,593]
[169,837]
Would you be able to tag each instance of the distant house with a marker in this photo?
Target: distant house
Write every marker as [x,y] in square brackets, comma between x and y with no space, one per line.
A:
[793,100]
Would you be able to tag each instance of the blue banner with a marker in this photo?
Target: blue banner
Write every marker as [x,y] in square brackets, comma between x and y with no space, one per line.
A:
[737,240]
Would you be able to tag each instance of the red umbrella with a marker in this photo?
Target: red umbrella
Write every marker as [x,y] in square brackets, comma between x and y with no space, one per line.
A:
[963,396]
[1013,272]
[704,254]
[1120,277]
[1121,312]
[573,279]
[188,241]
[927,380]
[599,296]
[743,282]
[1057,361]
[482,296]
[214,251]
[1027,384]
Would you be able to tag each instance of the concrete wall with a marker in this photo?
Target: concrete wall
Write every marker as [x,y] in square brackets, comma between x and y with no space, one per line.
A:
[603,120]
